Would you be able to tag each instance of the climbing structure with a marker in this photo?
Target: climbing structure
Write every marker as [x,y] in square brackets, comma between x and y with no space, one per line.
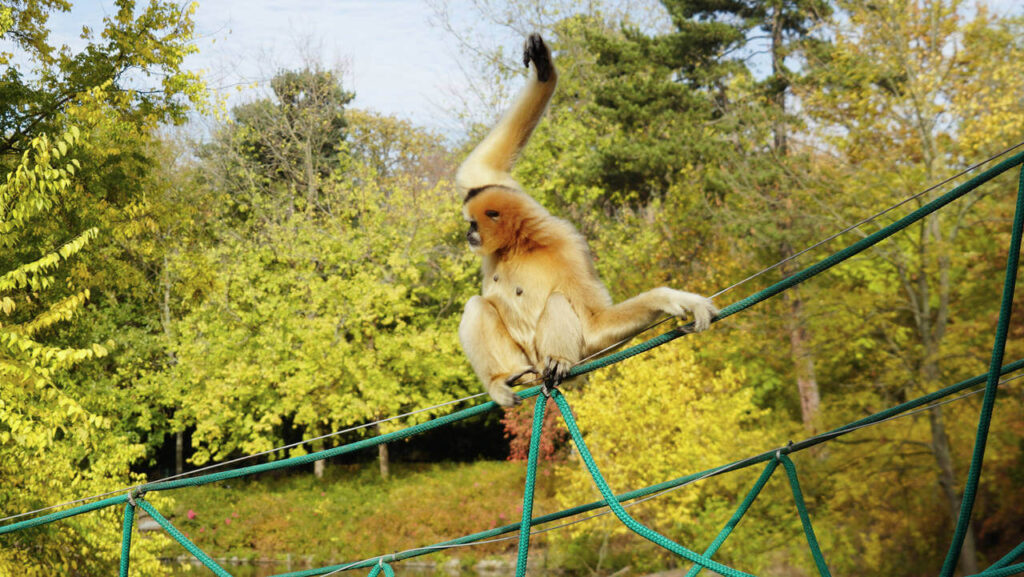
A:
[135,498]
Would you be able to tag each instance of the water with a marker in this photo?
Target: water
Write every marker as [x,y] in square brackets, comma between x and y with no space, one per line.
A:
[488,568]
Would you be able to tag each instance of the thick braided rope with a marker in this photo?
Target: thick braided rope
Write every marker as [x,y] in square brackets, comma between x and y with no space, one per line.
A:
[382,566]
[732,309]
[609,497]
[1002,572]
[805,519]
[182,539]
[737,516]
[988,404]
[126,538]
[1006,560]
[531,477]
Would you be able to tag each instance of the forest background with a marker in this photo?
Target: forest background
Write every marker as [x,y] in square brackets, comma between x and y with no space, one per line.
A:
[169,302]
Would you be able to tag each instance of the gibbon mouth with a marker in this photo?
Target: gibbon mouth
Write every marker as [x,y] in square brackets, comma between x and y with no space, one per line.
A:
[474,239]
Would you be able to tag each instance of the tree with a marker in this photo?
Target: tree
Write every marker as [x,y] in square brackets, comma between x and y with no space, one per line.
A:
[289,140]
[909,92]
[55,443]
[335,315]
[134,47]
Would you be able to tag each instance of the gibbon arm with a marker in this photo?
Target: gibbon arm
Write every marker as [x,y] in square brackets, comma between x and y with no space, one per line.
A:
[622,321]
[491,161]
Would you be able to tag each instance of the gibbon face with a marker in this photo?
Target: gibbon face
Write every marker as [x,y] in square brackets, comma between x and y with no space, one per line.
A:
[495,217]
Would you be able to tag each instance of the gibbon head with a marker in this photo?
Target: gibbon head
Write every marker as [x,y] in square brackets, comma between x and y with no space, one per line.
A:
[496,216]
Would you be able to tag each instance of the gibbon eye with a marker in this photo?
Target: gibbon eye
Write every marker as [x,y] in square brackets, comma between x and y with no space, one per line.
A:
[492,214]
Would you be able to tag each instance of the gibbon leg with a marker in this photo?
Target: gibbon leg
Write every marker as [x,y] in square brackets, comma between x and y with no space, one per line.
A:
[497,360]
[491,161]
[559,340]
[631,316]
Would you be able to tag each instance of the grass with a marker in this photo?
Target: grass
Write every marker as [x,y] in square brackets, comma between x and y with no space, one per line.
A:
[351,513]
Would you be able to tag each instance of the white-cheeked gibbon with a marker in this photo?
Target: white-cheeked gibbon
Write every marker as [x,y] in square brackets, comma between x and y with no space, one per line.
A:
[543,307]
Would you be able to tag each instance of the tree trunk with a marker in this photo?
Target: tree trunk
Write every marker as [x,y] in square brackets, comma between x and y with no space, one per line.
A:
[311,192]
[382,456]
[944,460]
[779,132]
[947,481]
[172,359]
[318,468]
[179,452]
[803,360]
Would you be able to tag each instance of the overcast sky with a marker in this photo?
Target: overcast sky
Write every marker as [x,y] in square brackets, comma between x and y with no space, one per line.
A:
[395,60]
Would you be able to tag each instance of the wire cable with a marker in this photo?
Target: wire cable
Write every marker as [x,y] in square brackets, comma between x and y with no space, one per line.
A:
[243,458]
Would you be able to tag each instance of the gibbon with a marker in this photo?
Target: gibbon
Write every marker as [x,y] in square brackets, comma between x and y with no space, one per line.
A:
[543,307]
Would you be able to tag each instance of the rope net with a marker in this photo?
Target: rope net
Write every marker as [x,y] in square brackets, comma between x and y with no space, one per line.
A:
[134,499]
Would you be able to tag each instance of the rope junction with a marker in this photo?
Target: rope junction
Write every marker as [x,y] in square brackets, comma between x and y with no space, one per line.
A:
[134,498]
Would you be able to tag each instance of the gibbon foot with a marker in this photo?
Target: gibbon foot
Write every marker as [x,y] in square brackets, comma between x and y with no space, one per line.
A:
[556,369]
[534,49]
[501,389]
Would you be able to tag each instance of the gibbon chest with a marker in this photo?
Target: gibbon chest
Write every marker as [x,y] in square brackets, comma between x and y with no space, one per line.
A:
[519,294]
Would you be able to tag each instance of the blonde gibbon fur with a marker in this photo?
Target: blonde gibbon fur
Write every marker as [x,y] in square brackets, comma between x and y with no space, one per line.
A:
[543,307]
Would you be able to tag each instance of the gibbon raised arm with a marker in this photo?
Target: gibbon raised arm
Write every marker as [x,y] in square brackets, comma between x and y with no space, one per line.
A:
[542,307]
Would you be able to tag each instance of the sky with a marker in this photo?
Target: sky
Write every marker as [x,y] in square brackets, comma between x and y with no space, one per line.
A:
[391,55]
[394,56]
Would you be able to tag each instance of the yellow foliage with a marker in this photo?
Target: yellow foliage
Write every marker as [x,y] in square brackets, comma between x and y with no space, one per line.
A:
[661,416]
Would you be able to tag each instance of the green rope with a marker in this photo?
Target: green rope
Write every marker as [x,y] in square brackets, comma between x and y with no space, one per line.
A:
[1002,572]
[620,512]
[737,516]
[805,519]
[531,476]
[988,403]
[182,539]
[736,465]
[381,565]
[87,508]
[126,537]
[1016,552]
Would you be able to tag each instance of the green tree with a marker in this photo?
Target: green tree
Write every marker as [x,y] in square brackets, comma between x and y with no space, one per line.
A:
[909,92]
[73,422]
[285,144]
[138,53]
[339,314]
[55,442]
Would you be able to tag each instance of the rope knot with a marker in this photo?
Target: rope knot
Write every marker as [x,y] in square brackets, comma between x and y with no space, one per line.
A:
[135,493]
[783,450]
